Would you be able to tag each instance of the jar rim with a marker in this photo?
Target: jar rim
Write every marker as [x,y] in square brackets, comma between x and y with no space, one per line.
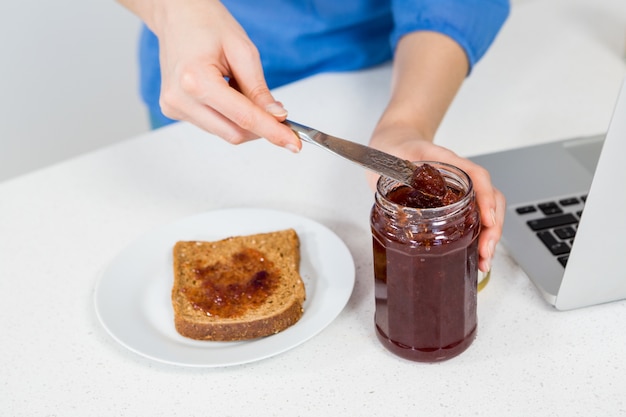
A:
[450,173]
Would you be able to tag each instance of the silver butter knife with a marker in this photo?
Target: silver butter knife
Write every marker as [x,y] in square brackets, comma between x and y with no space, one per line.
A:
[380,162]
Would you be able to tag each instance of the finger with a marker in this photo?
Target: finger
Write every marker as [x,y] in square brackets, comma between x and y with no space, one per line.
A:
[491,204]
[485,194]
[486,248]
[213,92]
[275,108]
[490,235]
[190,110]
[248,116]
[248,75]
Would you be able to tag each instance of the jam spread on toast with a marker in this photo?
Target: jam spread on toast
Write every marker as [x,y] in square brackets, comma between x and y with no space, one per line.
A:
[232,288]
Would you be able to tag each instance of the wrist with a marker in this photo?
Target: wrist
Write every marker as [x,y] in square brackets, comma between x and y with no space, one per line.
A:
[161,15]
[398,122]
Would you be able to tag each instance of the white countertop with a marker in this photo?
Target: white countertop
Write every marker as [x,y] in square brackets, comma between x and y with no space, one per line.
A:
[553,72]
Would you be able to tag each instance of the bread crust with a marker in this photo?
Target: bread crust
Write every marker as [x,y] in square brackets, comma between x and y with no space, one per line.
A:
[282,308]
[239,330]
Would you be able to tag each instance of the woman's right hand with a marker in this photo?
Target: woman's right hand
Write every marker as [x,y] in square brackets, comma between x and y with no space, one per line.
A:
[211,72]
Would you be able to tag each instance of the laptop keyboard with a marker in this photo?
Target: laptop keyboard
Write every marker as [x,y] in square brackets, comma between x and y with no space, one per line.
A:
[556,224]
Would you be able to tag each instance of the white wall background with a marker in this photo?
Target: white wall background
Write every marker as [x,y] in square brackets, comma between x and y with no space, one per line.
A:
[68,80]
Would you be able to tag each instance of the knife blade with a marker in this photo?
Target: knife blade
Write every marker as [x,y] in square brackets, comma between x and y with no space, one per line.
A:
[380,162]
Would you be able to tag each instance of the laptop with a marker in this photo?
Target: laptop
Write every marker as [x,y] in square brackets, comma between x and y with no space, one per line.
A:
[565,222]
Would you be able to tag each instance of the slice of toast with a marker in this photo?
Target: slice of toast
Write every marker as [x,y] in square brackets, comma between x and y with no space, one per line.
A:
[238,288]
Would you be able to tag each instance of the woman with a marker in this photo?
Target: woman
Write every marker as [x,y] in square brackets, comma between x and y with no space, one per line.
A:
[213,64]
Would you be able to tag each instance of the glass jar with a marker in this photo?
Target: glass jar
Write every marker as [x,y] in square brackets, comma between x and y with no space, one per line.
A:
[425,270]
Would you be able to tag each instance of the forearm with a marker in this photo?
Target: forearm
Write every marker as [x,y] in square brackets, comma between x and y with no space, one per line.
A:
[428,70]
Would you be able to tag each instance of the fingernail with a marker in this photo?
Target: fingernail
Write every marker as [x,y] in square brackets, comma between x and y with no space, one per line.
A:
[493,217]
[276,109]
[291,147]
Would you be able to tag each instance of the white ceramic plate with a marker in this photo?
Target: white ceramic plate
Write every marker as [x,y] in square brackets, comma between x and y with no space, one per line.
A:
[133,303]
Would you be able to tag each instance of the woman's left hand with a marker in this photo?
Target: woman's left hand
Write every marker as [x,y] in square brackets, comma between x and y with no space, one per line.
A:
[408,144]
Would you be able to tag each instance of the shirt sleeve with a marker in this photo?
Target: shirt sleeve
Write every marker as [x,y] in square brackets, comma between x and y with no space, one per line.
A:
[473,24]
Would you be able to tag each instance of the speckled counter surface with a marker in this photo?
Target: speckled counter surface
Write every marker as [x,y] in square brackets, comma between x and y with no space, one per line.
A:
[554,72]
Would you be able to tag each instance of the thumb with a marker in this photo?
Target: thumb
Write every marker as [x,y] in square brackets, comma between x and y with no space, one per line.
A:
[262,97]
[249,80]
[277,110]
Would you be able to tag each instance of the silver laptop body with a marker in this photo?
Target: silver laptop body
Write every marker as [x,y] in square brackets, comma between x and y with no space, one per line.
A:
[566,213]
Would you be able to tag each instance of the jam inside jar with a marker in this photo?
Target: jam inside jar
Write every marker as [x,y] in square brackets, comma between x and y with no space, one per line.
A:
[426,268]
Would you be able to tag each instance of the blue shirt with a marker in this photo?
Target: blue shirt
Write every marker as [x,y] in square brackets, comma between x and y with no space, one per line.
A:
[299,38]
